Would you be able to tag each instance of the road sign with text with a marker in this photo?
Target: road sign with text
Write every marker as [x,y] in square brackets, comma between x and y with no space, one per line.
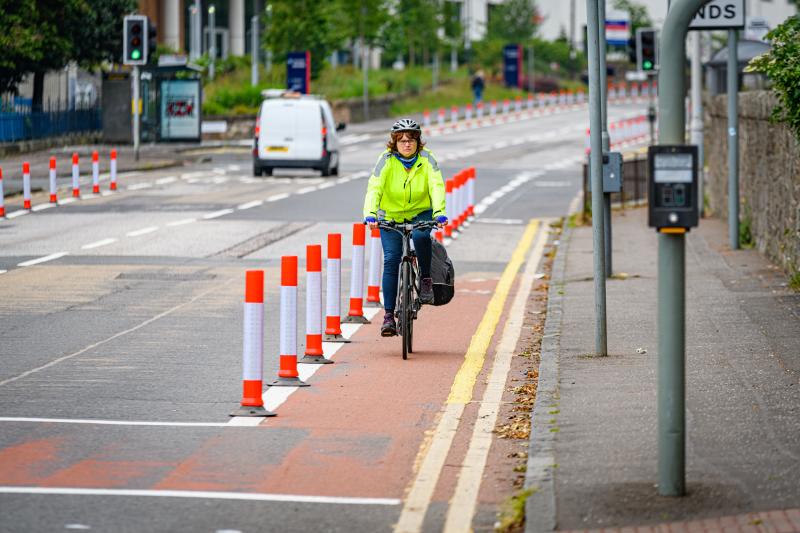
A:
[719,15]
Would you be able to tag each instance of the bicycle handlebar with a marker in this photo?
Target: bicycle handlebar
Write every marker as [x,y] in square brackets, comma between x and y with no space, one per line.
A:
[407,227]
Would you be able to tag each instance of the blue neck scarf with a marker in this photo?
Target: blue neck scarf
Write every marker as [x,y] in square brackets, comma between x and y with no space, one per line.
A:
[407,162]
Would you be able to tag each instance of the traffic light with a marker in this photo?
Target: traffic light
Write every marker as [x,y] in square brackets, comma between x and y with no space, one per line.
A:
[152,33]
[134,38]
[646,49]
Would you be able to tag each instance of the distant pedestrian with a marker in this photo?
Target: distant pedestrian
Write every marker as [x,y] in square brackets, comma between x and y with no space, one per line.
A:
[477,86]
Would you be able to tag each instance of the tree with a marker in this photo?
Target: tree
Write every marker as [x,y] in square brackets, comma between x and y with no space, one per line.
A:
[413,30]
[44,35]
[513,21]
[638,13]
[304,25]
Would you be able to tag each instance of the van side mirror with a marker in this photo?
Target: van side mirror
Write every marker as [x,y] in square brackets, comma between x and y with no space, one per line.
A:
[341,126]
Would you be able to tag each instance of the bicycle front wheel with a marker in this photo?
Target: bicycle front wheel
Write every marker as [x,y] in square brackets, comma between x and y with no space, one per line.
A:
[408,308]
[403,305]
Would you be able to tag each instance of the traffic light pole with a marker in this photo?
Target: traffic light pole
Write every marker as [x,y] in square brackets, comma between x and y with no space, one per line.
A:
[596,165]
[606,141]
[136,112]
[672,264]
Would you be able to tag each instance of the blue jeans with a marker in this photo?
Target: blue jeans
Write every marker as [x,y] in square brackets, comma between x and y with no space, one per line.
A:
[392,243]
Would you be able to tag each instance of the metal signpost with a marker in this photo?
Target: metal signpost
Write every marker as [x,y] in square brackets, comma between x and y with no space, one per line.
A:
[671,253]
[728,15]
[212,37]
[596,166]
[606,141]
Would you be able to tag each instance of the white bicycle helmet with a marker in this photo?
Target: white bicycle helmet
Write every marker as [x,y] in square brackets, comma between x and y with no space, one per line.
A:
[405,124]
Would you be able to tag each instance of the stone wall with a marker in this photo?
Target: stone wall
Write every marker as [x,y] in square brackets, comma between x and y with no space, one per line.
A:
[769,174]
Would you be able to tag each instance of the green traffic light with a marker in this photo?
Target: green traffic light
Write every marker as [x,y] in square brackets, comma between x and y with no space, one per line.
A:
[647,65]
[136,54]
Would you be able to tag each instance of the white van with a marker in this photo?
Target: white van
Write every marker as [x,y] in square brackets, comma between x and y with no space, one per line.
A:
[295,131]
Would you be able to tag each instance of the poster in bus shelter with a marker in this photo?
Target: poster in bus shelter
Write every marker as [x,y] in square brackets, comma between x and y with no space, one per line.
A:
[512,65]
[298,71]
[180,110]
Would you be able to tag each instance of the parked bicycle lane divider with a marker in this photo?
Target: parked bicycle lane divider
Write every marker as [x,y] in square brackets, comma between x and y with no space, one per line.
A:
[356,313]
[374,282]
[252,403]
[76,175]
[314,354]
[333,320]
[53,183]
[95,172]
[113,170]
[433,453]
[2,196]
[287,371]
[26,185]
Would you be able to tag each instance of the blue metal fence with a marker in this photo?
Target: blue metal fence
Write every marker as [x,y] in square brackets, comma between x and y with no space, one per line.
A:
[22,124]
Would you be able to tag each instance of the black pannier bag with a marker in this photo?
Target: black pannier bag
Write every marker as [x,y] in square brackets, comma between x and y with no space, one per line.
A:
[443,275]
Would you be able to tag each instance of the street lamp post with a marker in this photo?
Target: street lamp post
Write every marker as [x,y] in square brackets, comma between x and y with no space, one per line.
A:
[212,48]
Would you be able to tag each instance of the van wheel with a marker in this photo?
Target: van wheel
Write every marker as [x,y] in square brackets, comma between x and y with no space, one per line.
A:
[335,171]
[266,171]
[257,170]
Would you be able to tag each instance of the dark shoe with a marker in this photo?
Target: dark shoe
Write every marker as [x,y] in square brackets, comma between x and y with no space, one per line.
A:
[426,291]
[389,327]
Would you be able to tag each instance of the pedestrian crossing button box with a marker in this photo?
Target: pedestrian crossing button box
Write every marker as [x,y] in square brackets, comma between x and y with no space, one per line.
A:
[612,172]
[673,190]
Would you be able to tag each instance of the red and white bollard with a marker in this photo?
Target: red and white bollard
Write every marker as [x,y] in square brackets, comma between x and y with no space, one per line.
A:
[479,112]
[2,195]
[26,185]
[588,142]
[76,176]
[314,353]
[454,114]
[356,313]
[518,104]
[95,173]
[493,110]
[374,281]
[252,403]
[471,193]
[506,108]
[468,112]
[287,370]
[456,199]
[440,116]
[53,184]
[426,118]
[462,202]
[113,170]
[448,206]
[333,320]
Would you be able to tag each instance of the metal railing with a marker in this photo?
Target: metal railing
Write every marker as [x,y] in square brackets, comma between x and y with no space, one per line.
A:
[19,123]
[634,183]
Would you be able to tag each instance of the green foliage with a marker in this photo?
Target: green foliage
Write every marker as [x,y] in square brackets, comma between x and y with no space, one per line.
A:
[640,18]
[746,239]
[295,25]
[412,32]
[513,21]
[782,67]
[43,35]
[794,281]
[512,512]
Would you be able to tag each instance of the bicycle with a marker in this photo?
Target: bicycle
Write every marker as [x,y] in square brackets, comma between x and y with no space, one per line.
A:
[408,288]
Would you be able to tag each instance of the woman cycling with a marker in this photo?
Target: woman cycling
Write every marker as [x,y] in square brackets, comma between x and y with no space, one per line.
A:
[406,186]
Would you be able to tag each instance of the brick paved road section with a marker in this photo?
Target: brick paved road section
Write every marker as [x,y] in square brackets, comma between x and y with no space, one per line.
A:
[781,521]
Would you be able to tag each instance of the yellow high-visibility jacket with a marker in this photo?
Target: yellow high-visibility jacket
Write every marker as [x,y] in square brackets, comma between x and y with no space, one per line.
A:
[403,195]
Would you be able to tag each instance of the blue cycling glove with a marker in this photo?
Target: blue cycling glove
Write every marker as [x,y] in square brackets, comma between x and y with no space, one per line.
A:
[441,219]
[370,220]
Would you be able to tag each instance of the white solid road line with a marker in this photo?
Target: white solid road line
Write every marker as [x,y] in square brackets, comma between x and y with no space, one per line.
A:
[168,179]
[276,197]
[139,186]
[66,201]
[44,259]
[143,231]
[305,190]
[109,422]
[209,495]
[217,214]
[250,205]
[98,244]
[181,222]
[42,207]
[17,213]
[463,503]
[275,396]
